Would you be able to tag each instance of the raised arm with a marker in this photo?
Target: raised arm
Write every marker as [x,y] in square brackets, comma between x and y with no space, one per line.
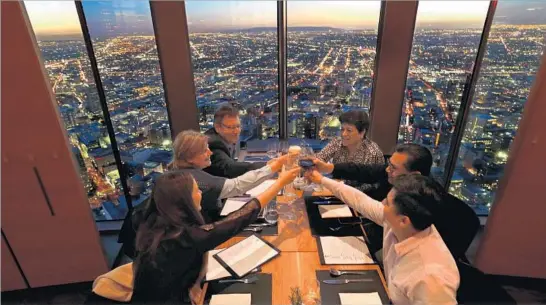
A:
[209,236]
[364,173]
[224,166]
[354,198]
[240,185]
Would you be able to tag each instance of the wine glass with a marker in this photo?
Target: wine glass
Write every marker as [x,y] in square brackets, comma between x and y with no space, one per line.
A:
[273,150]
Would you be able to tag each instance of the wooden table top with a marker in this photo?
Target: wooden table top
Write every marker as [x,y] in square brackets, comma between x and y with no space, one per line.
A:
[299,258]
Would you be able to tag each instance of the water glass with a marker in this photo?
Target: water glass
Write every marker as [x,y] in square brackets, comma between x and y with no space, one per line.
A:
[271,216]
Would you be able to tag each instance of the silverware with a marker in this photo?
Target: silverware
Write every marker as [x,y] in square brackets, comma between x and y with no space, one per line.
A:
[336,273]
[253,229]
[346,281]
[258,225]
[250,280]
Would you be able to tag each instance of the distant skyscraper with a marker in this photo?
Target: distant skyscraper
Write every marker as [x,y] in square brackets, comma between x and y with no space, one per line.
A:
[159,133]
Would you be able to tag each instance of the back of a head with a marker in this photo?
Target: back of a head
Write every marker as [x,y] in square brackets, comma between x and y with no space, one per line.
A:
[418,197]
[359,118]
[172,195]
[223,111]
[419,157]
[170,209]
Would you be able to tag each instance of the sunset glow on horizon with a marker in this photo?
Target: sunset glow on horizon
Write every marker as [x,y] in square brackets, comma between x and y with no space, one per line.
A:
[57,18]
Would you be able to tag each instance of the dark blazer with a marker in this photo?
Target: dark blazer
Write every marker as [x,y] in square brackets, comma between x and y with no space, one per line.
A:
[456,221]
[222,164]
[365,173]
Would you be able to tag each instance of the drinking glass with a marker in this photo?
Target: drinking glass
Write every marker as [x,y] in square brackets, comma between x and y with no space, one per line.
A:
[273,150]
[271,216]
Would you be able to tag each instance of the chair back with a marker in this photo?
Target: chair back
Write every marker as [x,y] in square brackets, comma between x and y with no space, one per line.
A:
[477,287]
[457,224]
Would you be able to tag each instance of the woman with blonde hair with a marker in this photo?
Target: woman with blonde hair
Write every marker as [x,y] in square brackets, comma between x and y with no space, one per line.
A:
[191,154]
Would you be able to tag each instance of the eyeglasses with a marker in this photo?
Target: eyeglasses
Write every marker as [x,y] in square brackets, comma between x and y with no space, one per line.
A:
[389,164]
[234,127]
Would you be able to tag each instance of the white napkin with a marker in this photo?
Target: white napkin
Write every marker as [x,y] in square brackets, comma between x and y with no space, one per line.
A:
[230,299]
[335,211]
[371,298]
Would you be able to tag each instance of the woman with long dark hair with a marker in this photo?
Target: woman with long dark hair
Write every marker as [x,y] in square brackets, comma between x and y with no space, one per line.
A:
[173,238]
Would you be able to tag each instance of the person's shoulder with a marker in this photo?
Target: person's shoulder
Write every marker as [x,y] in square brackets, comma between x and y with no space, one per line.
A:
[372,145]
[215,141]
[335,142]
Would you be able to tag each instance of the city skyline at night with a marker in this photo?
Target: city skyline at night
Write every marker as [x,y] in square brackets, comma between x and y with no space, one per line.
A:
[331,52]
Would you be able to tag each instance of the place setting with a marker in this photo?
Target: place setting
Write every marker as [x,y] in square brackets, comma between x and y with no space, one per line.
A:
[234,273]
[329,216]
[351,287]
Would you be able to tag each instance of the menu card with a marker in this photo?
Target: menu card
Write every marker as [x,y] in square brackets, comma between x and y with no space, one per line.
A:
[261,188]
[246,255]
[232,205]
[214,269]
[344,250]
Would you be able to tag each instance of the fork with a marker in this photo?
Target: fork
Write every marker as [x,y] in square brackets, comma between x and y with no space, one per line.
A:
[253,229]
[250,280]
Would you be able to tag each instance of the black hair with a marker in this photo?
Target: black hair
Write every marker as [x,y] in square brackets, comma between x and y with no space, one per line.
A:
[223,111]
[418,197]
[359,118]
[419,157]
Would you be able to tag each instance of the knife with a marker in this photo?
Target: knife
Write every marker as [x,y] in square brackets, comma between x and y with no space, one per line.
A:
[346,281]
[328,201]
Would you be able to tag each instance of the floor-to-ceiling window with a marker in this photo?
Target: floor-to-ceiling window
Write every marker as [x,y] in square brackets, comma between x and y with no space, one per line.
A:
[445,43]
[123,40]
[234,55]
[514,48]
[330,63]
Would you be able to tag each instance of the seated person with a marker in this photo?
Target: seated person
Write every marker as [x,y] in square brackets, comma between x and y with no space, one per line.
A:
[353,146]
[409,158]
[223,141]
[418,266]
[191,155]
[173,239]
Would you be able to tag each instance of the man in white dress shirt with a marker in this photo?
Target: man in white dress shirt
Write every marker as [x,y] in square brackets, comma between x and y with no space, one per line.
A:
[419,268]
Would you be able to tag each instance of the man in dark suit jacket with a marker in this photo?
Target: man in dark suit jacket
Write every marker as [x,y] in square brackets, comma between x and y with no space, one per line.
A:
[223,140]
[456,222]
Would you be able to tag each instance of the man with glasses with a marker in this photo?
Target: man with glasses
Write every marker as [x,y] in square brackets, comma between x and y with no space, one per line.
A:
[407,158]
[223,141]
[410,159]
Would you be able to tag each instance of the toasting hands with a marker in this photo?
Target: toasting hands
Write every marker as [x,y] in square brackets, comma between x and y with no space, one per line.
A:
[314,176]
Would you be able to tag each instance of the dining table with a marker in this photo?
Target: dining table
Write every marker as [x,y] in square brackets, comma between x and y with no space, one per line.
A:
[299,258]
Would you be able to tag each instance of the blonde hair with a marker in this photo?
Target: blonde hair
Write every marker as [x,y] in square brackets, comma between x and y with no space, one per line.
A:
[187,145]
